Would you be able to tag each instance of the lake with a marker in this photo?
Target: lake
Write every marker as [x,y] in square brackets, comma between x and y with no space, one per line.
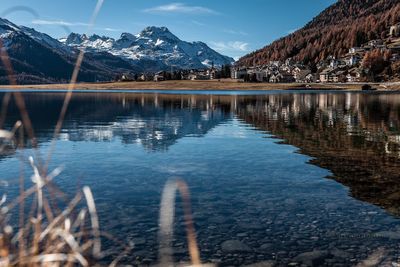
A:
[275,177]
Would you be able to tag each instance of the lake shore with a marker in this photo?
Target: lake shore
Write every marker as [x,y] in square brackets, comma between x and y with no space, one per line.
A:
[225,84]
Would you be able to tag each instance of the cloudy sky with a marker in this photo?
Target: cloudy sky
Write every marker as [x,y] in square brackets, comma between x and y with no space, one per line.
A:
[232,27]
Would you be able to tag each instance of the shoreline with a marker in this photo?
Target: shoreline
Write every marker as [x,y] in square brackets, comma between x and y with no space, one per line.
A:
[210,85]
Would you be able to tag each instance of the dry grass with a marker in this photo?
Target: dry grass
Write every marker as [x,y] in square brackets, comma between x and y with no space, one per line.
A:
[48,235]
[225,84]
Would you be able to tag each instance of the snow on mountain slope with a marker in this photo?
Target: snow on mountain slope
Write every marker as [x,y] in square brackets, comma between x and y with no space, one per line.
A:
[44,39]
[7,29]
[38,58]
[155,44]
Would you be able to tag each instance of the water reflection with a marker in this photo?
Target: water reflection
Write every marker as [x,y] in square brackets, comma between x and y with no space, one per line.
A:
[253,200]
[356,136]
[154,121]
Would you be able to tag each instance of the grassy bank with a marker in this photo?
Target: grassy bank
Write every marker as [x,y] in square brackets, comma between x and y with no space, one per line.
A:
[226,84]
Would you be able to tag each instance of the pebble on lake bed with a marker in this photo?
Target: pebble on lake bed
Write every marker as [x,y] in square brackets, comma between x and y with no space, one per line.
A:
[235,246]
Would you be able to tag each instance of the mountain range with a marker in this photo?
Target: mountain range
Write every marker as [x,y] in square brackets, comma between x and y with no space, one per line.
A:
[153,44]
[38,58]
[345,24]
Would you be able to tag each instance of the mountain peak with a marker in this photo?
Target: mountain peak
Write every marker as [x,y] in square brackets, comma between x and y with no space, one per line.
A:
[154,32]
[75,38]
[8,24]
[155,29]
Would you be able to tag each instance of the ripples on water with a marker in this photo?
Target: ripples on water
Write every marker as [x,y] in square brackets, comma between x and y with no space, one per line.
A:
[255,197]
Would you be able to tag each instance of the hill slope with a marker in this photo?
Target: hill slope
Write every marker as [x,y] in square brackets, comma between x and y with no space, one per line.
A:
[345,24]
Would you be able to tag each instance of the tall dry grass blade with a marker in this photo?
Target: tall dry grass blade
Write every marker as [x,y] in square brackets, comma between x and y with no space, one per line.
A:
[190,231]
[71,85]
[9,136]
[120,256]
[94,220]
[37,179]
[30,191]
[21,234]
[60,217]
[19,100]
[4,107]
[166,220]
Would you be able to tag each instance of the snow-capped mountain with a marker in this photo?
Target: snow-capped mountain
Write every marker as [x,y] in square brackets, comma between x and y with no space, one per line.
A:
[38,58]
[153,44]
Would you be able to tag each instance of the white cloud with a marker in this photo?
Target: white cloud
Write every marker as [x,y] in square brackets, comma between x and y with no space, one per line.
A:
[198,23]
[235,32]
[235,46]
[291,31]
[111,29]
[58,23]
[181,8]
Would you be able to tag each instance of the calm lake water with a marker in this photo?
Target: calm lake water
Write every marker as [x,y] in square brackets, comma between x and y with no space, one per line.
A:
[279,177]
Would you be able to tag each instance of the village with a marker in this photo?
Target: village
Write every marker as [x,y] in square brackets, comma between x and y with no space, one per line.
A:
[346,69]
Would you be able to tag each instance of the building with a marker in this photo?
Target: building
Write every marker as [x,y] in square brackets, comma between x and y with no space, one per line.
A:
[395,57]
[275,78]
[159,78]
[301,74]
[127,77]
[395,30]
[355,50]
[375,43]
[331,76]
[238,73]
[310,78]
[283,77]
[259,75]
[354,75]
[324,75]
[199,76]
[143,77]
[353,59]
[212,73]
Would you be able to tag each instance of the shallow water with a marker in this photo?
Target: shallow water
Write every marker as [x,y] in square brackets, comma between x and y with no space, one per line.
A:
[246,159]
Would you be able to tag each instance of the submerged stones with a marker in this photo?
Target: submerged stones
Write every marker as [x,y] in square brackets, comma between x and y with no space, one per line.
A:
[312,258]
[233,245]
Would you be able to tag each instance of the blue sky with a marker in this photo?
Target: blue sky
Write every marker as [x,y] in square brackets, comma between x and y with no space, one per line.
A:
[232,27]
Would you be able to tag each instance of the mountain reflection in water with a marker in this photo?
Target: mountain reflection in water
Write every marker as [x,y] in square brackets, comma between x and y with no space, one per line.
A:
[270,200]
[355,135]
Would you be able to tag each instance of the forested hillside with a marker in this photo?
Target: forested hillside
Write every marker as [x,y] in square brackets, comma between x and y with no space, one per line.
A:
[347,23]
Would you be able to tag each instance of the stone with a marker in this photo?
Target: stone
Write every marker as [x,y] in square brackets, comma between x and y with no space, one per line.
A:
[138,241]
[388,234]
[266,246]
[234,246]
[341,253]
[263,264]
[312,258]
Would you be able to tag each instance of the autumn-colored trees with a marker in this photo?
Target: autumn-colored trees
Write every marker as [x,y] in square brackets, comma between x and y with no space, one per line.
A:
[376,62]
[346,24]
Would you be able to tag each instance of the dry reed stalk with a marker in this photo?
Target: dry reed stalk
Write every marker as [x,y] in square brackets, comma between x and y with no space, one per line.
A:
[58,238]
[50,241]
[166,221]
[71,85]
